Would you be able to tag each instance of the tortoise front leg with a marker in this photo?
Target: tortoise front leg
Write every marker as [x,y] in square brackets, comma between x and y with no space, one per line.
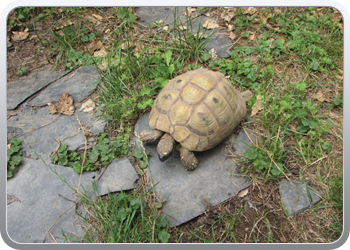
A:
[188,159]
[150,135]
[165,147]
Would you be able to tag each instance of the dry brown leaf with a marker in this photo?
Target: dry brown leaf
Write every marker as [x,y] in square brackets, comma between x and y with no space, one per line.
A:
[281,36]
[227,16]
[52,108]
[189,11]
[277,9]
[87,106]
[229,27]
[19,35]
[107,31]
[265,17]
[232,36]
[94,45]
[64,23]
[249,10]
[292,127]
[9,146]
[166,27]
[98,17]
[257,106]
[320,96]
[210,24]
[65,104]
[252,36]
[338,75]
[159,21]
[243,193]
[101,53]
[182,27]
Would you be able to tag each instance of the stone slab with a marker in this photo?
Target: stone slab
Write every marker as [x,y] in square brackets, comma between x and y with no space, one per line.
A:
[20,90]
[296,201]
[80,83]
[148,15]
[65,128]
[41,201]
[119,176]
[189,192]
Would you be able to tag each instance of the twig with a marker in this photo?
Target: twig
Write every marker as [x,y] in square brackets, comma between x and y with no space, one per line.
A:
[85,149]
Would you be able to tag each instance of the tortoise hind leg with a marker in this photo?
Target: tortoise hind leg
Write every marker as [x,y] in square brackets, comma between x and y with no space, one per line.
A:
[150,135]
[188,159]
[165,147]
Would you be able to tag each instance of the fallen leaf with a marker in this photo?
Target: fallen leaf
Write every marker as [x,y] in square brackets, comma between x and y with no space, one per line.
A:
[227,16]
[101,53]
[232,36]
[182,27]
[281,36]
[189,11]
[9,146]
[65,104]
[320,96]
[64,23]
[337,17]
[166,27]
[159,21]
[52,108]
[265,17]
[257,106]
[243,193]
[94,45]
[338,75]
[292,127]
[107,31]
[87,106]
[252,36]
[98,17]
[277,9]
[230,27]
[19,35]
[249,10]
[210,24]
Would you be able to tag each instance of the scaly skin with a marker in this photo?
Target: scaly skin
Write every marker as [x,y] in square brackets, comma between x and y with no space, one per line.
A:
[188,159]
[165,147]
[150,135]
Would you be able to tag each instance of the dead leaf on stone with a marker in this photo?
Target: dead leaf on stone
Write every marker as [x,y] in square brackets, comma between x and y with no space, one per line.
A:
[189,11]
[19,35]
[87,106]
[12,198]
[257,106]
[159,21]
[65,104]
[210,24]
[52,108]
[320,96]
[166,27]
[182,27]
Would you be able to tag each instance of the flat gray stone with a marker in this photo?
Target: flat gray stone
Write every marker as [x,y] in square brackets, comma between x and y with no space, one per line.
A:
[19,90]
[119,176]
[39,203]
[296,201]
[65,128]
[148,15]
[188,192]
[79,83]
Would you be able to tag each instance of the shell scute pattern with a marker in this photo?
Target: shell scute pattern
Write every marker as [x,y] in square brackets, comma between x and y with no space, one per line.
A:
[199,109]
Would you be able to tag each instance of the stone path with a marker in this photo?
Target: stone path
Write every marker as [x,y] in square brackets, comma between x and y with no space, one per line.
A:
[37,195]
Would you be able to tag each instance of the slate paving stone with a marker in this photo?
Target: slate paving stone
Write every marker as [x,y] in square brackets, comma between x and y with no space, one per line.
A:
[120,175]
[19,90]
[41,201]
[79,83]
[218,41]
[148,15]
[65,128]
[296,201]
[188,192]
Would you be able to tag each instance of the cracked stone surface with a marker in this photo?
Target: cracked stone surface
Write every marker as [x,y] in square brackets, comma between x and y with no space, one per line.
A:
[219,40]
[19,90]
[42,198]
[79,83]
[188,192]
[120,175]
[38,196]
[65,128]
[296,201]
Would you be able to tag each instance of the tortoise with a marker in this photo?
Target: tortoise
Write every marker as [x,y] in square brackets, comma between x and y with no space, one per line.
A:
[198,109]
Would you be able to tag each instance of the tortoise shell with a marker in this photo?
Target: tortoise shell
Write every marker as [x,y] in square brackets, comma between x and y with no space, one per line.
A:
[199,109]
